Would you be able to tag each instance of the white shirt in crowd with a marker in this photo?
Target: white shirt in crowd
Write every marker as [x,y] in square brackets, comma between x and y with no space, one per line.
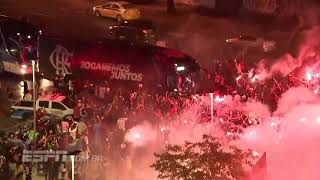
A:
[82,127]
[73,132]
[122,123]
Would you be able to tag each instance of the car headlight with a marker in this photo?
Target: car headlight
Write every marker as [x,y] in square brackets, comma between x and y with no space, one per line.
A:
[23,66]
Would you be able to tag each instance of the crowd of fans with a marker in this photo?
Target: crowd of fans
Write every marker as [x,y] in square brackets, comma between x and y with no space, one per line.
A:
[102,116]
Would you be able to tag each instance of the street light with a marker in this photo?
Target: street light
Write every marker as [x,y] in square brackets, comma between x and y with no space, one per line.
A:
[72,166]
[72,157]
[34,95]
[211,108]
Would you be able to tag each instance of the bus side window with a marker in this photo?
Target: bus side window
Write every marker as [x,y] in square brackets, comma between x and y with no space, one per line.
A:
[2,43]
[10,33]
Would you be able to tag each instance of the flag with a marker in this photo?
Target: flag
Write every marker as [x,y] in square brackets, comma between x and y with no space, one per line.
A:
[259,170]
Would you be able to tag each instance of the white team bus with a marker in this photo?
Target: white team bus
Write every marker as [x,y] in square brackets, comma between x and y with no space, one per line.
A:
[18,45]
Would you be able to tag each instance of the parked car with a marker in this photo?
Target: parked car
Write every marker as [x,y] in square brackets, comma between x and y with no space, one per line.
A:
[54,104]
[253,42]
[119,10]
[140,31]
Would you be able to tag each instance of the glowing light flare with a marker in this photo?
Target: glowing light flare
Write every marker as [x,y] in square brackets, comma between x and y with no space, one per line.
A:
[255,153]
[141,135]
[254,79]
[185,121]
[218,99]
[309,76]
[318,120]
[303,119]
[316,91]
[137,136]
[252,133]
[229,133]
[273,124]
[238,78]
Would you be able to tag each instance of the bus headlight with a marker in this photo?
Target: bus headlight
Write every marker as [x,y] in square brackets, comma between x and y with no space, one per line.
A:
[23,71]
[23,66]
[180,68]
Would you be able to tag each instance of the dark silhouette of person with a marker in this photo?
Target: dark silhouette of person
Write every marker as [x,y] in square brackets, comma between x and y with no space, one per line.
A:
[25,89]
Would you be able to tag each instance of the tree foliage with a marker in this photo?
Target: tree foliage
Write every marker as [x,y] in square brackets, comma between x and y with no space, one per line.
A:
[205,160]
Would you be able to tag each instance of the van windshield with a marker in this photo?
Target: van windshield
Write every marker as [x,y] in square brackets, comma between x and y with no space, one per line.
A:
[25,103]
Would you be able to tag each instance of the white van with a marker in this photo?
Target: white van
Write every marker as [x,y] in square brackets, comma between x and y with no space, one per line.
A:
[54,104]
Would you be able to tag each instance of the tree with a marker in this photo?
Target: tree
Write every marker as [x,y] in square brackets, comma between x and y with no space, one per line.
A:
[205,160]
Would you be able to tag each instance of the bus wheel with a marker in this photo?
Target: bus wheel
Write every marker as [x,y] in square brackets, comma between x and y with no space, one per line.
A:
[1,68]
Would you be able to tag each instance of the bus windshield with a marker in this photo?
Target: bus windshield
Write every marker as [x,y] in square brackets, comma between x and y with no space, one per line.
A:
[185,64]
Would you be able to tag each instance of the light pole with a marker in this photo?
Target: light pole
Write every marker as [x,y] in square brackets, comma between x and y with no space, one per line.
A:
[34,96]
[72,155]
[211,109]
[72,166]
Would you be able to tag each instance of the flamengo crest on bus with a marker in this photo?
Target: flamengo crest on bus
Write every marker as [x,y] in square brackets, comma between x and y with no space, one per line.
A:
[118,71]
[60,60]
